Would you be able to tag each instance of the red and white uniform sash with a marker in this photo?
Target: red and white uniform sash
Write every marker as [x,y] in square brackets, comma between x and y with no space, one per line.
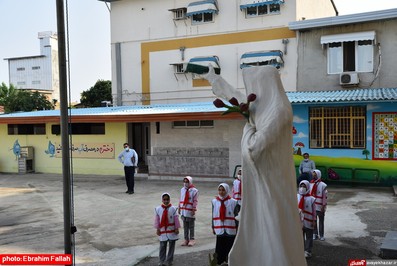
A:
[308,214]
[320,194]
[191,203]
[228,225]
[167,232]
[237,190]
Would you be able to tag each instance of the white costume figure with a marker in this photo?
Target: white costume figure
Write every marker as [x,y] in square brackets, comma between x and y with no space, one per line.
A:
[270,231]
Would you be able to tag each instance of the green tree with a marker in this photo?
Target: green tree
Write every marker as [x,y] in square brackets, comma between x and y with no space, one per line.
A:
[15,100]
[366,153]
[101,91]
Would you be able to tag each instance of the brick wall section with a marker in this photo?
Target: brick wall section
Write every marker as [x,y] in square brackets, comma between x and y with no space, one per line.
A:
[204,162]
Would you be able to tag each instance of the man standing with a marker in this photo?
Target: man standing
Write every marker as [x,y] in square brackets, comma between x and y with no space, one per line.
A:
[306,168]
[129,158]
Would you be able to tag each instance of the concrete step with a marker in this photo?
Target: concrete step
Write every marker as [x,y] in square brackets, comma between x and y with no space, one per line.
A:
[388,249]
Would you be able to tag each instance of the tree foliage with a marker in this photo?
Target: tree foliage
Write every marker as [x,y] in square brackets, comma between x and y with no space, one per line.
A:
[101,91]
[15,100]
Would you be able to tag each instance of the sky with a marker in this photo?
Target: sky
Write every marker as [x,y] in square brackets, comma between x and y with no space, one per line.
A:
[89,34]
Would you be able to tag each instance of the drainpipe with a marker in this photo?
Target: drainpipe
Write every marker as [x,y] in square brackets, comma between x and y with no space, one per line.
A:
[119,83]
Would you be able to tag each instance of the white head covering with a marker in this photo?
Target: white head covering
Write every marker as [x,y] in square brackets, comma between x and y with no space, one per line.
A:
[226,187]
[190,179]
[307,185]
[318,173]
[165,193]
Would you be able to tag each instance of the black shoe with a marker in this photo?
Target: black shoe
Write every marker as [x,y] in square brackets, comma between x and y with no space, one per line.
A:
[127,191]
[131,192]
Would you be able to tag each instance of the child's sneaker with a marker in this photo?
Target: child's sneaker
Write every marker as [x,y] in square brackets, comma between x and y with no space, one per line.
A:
[322,238]
[308,254]
[314,237]
[191,243]
[185,243]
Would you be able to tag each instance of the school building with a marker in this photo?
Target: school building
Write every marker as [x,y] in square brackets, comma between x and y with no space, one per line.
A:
[333,68]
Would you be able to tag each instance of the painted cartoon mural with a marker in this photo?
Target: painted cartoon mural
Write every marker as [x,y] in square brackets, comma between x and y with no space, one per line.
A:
[51,149]
[372,156]
[16,149]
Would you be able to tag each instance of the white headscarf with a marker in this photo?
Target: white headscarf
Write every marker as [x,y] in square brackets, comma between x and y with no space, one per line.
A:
[318,173]
[165,193]
[307,185]
[226,187]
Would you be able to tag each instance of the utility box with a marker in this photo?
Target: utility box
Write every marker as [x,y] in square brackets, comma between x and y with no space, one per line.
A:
[26,160]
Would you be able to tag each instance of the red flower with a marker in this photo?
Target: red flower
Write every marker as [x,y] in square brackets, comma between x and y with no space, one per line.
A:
[233,101]
[219,103]
[243,107]
[251,97]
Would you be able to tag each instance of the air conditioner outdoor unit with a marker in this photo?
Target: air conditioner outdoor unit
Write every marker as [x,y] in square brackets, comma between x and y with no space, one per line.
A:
[348,79]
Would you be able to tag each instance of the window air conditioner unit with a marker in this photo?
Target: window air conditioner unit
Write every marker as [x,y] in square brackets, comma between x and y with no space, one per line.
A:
[348,79]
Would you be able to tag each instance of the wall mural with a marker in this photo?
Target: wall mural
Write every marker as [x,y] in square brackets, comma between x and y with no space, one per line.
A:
[385,136]
[51,149]
[376,163]
[16,149]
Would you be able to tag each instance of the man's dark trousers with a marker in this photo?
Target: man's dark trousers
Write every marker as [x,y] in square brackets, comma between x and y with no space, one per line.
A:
[129,172]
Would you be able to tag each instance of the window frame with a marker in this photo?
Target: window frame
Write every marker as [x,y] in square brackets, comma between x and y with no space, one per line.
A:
[341,61]
[337,127]
[261,13]
[26,129]
[192,124]
[203,20]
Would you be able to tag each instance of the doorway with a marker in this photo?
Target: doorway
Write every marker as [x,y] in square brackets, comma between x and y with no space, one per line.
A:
[139,137]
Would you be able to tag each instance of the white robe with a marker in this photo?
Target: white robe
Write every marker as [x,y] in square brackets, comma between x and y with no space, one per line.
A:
[270,231]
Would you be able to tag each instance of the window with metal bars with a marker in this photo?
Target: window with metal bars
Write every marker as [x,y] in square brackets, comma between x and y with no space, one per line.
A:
[337,127]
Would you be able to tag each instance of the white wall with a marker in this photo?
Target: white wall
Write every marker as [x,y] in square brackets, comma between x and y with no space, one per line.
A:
[224,134]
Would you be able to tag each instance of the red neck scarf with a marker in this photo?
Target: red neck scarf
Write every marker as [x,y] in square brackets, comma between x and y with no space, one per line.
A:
[314,189]
[222,208]
[186,199]
[301,204]
[164,217]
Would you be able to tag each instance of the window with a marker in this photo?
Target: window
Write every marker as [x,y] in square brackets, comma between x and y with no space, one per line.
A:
[349,52]
[20,69]
[21,83]
[179,13]
[262,58]
[337,127]
[35,68]
[26,129]
[202,18]
[81,129]
[193,124]
[35,82]
[87,128]
[262,10]
[202,11]
[255,8]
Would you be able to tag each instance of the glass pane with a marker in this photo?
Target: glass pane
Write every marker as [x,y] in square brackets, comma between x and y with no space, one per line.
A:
[274,8]
[365,57]
[207,123]
[262,10]
[197,18]
[334,59]
[349,55]
[208,17]
[251,11]
[195,123]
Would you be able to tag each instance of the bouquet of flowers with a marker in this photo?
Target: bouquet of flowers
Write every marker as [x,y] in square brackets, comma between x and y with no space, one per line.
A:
[242,108]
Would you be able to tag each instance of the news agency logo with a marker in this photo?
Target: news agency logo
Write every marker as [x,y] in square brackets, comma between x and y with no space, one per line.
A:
[357,263]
